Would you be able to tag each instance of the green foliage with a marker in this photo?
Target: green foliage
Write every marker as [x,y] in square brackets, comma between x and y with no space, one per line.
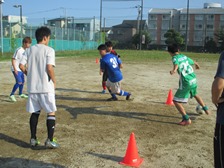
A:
[136,40]
[13,43]
[210,46]
[173,37]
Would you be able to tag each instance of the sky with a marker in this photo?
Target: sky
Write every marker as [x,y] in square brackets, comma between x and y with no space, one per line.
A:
[113,12]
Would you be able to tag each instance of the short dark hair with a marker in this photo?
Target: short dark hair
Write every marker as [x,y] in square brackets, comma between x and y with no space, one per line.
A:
[173,48]
[27,40]
[102,47]
[109,44]
[41,32]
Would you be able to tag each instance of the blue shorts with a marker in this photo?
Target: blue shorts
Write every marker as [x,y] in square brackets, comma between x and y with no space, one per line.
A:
[20,77]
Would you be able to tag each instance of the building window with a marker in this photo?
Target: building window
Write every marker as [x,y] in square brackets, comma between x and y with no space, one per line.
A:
[210,17]
[210,26]
[165,25]
[166,17]
[198,26]
[153,35]
[119,32]
[162,36]
[198,17]
[153,17]
[152,25]
[183,17]
[182,26]
[198,36]
[222,17]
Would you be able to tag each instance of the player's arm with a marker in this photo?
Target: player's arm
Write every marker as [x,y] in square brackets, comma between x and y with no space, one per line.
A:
[196,65]
[174,70]
[119,63]
[217,89]
[23,68]
[14,66]
[23,65]
[51,74]
[101,71]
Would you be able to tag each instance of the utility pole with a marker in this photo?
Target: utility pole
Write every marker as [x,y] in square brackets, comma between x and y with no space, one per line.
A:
[138,20]
[186,34]
[101,3]
[21,20]
[141,24]
[1,2]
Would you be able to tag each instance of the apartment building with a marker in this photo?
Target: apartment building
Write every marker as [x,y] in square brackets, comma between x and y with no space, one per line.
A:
[202,25]
[71,28]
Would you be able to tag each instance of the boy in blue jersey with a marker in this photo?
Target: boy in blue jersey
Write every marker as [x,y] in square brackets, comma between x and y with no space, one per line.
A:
[110,49]
[17,73]
[111,64]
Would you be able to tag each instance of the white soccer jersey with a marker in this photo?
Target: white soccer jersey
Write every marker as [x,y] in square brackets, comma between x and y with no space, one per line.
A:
[37,58]
[18,55]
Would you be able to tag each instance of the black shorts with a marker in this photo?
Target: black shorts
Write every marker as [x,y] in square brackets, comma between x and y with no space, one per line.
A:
[219,146]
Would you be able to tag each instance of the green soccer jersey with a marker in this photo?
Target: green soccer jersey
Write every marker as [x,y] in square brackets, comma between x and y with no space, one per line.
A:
[185,70]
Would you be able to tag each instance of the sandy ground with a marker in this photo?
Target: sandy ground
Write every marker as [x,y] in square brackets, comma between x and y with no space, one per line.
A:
[95,133]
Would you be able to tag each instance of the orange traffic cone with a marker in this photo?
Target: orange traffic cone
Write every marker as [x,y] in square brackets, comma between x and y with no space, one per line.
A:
[97,60]
[169,100]
[131,157]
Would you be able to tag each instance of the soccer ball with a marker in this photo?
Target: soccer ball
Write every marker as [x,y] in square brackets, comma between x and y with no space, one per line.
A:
[199,109]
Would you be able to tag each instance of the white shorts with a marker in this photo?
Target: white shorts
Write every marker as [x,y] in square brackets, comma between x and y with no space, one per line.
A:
[38,101]
[114,87]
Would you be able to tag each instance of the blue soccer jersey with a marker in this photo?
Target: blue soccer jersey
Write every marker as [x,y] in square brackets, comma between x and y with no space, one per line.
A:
[111,64]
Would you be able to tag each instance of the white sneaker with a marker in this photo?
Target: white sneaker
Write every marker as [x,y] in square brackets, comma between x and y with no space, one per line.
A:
[12,98]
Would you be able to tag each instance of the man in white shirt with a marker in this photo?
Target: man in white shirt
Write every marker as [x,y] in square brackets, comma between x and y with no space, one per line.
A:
[18,74]
[41,83]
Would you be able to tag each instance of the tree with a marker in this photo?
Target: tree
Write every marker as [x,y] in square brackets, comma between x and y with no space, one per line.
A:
[173,37]
[220,37]
[136,40]
[210,46]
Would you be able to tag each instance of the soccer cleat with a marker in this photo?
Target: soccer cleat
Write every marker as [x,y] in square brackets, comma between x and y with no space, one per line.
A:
[104,91]
[12,98]
[51,144]
[34,142]
[23,96]
[185,122]
[128,96]
[112,99]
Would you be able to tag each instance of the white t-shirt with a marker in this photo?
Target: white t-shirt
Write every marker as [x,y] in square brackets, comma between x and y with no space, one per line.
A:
[37,58]
[18,55]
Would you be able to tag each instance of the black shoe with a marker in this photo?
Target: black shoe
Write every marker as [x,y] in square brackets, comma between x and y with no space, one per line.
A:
[112,99]
[128,96]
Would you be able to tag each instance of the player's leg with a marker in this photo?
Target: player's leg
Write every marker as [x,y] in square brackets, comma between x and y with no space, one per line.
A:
[180,97]
[34,108]
[122,92]
[15,87]
[104,82]
[218,143]
[21,95]
[47,101]
[33,128]
[112,90]
[193,93]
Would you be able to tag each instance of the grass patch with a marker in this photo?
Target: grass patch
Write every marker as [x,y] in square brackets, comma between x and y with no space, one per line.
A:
[131,55]
[140,56]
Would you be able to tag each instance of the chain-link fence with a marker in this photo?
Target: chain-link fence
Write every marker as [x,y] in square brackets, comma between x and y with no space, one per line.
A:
[61,38]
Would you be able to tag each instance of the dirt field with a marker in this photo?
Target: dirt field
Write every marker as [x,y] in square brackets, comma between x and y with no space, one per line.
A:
[94,133]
